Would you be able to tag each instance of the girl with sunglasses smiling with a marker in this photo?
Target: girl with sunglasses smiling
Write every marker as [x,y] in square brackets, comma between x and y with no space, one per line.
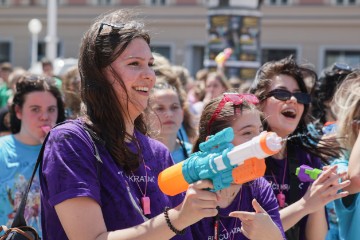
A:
[250,210]
[284,101]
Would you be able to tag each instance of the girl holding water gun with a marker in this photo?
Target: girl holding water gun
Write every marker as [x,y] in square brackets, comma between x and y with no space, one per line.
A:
[250,210]
[284,101]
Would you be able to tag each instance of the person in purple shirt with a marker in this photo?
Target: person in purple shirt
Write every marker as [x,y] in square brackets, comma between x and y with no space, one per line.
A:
[99,173]
[250,210]
[284,100]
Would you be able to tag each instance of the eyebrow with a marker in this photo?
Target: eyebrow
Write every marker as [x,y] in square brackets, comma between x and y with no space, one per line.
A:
[284,88]
[135,57]
[247,126]
[40,106]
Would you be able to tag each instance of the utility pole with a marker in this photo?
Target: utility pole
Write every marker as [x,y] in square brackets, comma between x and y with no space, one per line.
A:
[51,38]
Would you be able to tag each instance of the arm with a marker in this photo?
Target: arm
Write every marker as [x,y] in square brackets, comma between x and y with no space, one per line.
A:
[354,168]
[82,218]
[316,225]
[322,191]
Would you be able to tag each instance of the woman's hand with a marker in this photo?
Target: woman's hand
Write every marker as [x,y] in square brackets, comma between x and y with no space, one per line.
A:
[257,225]
[324,190]
[198,204]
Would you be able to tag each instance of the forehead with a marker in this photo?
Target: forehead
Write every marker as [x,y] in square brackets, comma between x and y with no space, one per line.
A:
[213,79]
[39,98]
[284,81]
[164,96]
[248,117]
[137,47]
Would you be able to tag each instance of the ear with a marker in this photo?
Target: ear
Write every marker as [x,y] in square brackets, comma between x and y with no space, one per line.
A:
[18,112]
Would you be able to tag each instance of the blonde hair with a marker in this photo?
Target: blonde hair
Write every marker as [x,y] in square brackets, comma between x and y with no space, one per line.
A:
[347,108]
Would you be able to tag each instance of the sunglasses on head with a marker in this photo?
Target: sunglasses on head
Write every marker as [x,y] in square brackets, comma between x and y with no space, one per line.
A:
[236,99]
[341,68]
[107,28]
[284,95]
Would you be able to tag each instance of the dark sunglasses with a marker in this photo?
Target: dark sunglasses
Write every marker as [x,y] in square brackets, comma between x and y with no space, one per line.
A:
[284,95]
[235,98]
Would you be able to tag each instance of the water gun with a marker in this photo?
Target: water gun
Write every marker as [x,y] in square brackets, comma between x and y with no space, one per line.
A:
[221,58]
[307,174]
[221,162]
[329,127]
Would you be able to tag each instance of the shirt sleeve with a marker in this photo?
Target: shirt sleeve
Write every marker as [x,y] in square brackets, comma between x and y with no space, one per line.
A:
[69,166]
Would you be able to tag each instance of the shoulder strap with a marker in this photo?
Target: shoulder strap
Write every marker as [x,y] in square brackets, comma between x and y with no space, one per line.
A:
[294,193]
[19,219]
[294,180]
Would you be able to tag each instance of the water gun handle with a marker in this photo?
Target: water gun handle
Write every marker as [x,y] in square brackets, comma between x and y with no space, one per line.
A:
[307,174]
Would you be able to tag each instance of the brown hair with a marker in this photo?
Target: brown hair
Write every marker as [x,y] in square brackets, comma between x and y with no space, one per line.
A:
[222,121]
[106,40]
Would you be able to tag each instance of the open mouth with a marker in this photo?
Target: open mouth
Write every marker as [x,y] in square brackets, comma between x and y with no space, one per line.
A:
[289,113]
[142,89]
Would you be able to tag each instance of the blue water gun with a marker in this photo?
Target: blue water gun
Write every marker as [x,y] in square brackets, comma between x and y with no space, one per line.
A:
[221,162]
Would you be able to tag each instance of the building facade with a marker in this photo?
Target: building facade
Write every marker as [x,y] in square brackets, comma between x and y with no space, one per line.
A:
[319,32]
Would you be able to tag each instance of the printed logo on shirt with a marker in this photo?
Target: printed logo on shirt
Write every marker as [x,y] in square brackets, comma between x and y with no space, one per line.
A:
[32,209]
[138,179]
[281,187]
[226,234]
[144,179]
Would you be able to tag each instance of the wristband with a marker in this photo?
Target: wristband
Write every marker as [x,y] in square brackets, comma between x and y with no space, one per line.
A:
[172,228]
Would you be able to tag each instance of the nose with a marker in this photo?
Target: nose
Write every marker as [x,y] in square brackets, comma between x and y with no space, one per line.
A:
[44,115]
[149,74]
[293,99]
[168,113]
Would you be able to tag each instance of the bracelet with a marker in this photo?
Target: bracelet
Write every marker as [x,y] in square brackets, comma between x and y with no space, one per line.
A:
[177,232]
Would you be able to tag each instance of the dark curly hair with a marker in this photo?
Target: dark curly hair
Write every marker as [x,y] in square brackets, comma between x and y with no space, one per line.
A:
[329,80]
[29,83]
[314,144]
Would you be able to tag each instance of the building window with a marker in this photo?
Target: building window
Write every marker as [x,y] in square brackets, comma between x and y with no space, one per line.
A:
[104,2]
[276,54]
[42,50]
[4,3]
[5,50]
[352,58]
[346,2]
[278,2]
[197,61]
[162,50]
[157,2]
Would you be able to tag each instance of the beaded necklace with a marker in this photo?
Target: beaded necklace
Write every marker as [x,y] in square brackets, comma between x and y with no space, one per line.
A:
[217,221]
[280,196]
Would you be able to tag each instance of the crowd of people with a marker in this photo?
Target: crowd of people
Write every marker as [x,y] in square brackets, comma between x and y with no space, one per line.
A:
[125,114]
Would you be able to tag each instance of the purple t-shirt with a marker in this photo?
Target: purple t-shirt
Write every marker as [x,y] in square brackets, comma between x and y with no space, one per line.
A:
[275,170]
[70,169]
[229,227]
